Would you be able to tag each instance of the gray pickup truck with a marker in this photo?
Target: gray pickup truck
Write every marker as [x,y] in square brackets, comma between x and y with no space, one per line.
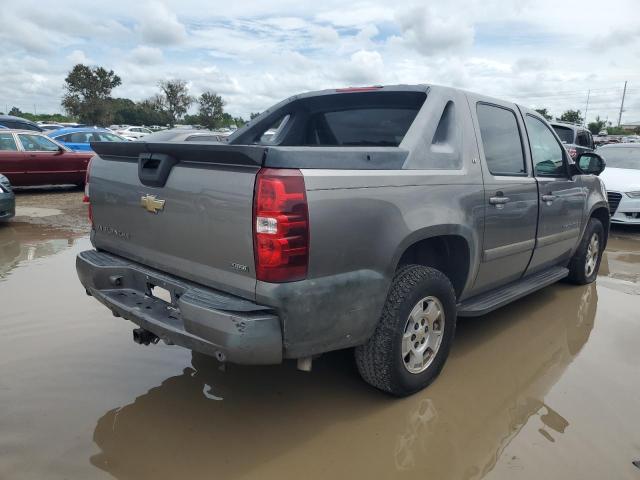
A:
[367,217]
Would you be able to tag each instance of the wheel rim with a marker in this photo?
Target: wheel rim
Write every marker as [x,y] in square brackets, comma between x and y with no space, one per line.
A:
[593,251]
[422,334]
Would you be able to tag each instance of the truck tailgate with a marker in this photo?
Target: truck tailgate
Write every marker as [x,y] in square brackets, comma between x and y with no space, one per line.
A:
[196,223]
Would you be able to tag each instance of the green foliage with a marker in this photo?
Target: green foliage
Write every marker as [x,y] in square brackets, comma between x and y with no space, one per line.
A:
[596,126]
[88,99]
[572,116]
[544,113]
[253,115]
[88,93]
[175,99]
[617,131]
[15,111]
[210,110]
[147,112]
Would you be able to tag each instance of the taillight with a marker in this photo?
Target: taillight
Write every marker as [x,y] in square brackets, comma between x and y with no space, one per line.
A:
[572,152]
[86,198]
[280,225]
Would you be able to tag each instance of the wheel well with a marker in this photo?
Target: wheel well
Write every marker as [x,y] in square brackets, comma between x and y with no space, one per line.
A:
[447,253]
[602,214]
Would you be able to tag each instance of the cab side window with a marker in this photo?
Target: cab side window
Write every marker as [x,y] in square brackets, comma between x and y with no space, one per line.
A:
[7,143]
[547,154]
[501,140]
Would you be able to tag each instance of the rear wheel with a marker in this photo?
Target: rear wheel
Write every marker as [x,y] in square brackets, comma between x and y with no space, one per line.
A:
[412,340]
[585,263]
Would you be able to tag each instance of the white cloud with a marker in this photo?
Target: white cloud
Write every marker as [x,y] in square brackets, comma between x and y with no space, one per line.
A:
[364,67]
[256,52]
[78,56]
[144,55]
[159,26]
[431,34]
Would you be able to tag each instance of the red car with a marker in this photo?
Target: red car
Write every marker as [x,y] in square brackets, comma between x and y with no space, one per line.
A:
[32,158]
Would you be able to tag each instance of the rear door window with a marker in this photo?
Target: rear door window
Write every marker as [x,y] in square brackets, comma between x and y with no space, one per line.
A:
[582,139]
[501,140]
[565,133]
[7,143]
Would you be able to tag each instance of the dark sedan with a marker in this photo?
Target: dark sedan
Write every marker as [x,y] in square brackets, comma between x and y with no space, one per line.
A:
[32,158]
[7,199]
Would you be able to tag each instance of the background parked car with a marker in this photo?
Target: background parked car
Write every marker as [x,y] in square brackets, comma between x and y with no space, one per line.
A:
[9,121]
[185,135]
[622,181]
[32,158]
[78,139]
[576,139]
[134,132]
[50,126]
[7,199]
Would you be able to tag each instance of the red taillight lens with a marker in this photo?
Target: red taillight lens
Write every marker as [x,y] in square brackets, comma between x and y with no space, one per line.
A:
[280,226]
[85,198]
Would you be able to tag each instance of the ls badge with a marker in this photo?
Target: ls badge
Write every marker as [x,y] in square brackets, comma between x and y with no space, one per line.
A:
[151,204]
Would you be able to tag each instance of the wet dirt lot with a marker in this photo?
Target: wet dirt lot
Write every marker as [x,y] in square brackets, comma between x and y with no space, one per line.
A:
[548,387]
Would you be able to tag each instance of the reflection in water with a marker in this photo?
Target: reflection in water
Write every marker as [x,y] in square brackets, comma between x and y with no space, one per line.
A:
[529,355]
[621,263]
[223,424]
[24,242]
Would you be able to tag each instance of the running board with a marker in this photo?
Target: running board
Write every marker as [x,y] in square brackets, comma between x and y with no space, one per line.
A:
[494,299]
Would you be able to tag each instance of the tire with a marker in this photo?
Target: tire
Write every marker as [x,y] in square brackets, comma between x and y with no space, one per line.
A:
[415,292]
[580,273]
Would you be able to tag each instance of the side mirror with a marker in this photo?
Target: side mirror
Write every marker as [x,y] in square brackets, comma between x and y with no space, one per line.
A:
[60,151]
[590,163]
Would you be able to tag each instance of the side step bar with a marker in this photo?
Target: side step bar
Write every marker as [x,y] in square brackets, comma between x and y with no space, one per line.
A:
[487,302]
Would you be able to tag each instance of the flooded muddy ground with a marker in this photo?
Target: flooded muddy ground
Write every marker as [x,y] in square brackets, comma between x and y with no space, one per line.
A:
[548,387]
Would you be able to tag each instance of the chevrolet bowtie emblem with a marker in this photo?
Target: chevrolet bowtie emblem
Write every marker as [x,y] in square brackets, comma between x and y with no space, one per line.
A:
[151,204]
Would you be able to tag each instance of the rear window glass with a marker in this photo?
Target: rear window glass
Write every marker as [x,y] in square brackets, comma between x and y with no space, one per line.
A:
[565,134]
[384,127]
[342,119]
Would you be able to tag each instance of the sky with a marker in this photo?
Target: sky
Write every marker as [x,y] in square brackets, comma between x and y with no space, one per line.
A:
[539,53]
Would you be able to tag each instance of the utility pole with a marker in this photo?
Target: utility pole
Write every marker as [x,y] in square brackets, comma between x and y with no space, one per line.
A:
[624,92]
[586,109]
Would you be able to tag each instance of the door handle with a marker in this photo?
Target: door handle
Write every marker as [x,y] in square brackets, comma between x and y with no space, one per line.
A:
[549,198]
[499,200]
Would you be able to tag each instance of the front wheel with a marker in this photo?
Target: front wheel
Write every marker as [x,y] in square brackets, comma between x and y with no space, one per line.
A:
[414,335]
[585,263]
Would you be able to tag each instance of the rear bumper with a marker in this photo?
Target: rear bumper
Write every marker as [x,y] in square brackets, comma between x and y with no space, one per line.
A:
[7,205]
[201,319]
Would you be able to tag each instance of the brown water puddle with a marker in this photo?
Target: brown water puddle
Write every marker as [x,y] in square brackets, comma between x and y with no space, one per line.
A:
[548,387]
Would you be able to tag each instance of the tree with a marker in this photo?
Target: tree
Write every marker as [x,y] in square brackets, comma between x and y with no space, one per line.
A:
[544,113]
[16,112]
[211,110]
[571,116]
[597,126]
[87,93]
[253,115]
[175,99]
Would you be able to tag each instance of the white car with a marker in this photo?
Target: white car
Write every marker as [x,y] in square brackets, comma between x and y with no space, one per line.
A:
[621,178]
[134,132]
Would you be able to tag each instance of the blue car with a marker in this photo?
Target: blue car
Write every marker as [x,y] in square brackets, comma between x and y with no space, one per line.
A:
[78,139]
